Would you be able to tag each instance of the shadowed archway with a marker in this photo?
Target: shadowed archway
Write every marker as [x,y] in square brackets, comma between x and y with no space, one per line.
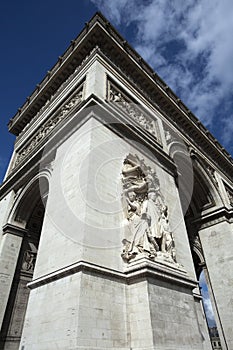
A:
[26,217]
[204,200]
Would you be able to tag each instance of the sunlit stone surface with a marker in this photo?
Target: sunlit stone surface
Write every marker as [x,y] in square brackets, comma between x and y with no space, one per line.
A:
[116,198]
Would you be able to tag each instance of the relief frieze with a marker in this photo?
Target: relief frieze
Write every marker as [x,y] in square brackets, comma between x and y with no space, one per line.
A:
[29,261]
[57,91]
[229,192]
[133,111]
[48,126]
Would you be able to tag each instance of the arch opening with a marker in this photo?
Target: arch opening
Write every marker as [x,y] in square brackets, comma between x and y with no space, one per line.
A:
[203,199]
[28,212]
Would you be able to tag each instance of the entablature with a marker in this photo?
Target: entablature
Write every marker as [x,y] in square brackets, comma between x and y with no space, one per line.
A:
[99,32]
[211,218]
[61,113]
[49,137]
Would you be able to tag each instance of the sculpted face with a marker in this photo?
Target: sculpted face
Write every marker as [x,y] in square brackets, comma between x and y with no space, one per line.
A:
[152,195]
[131,196]
[164,209]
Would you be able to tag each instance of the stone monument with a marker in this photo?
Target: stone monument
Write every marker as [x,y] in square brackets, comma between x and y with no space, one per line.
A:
[115,199]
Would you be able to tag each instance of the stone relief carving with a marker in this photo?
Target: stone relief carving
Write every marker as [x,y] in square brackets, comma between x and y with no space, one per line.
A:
[171,136]
[61,88]
[49,166]
[175,117]
[197,248]
[48,126]
[115,95]
[148,231]
[229,195]
[29,261]
[211,172]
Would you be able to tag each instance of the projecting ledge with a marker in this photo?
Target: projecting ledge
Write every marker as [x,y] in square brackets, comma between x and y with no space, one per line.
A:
[142,269]
[159,270]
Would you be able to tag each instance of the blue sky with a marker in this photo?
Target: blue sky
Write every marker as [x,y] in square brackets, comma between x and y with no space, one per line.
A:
[188,43]
[206,300]
[32,34]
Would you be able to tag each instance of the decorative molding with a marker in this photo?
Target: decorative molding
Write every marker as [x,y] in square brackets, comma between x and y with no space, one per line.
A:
[229,192]
[197,248]
[213,218]
[14,230]
[29,260]
[58,91]
[134,111]
[145,269]
[177,113]
[28,114]
[211,172]
[48,166]
[169,136]
[49,125]
[125,59]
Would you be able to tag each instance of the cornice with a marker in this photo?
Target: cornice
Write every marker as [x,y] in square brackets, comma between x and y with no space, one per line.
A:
[145,271]
[117,121]
[98,32]
[175,112]
[211,218]
[14,230]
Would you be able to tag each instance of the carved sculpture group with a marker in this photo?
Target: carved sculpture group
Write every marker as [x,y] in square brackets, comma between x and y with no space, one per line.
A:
[148,230]
[29,261]
[133,111]
[229,195]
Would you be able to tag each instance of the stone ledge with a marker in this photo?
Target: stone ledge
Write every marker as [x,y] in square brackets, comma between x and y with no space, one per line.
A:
[214,217]
[136,272]
[14,230]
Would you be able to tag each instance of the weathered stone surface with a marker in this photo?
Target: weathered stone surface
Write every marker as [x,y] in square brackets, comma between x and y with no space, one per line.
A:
[138,201]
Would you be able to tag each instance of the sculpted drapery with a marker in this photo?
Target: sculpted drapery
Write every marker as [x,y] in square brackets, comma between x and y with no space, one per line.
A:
[148,228]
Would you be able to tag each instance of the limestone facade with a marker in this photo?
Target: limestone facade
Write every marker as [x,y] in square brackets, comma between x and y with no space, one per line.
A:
[116,197]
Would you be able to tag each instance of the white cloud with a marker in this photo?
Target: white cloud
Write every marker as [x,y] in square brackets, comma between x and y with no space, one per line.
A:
[228,129]
[189,44]
[112,9]
[209,312]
